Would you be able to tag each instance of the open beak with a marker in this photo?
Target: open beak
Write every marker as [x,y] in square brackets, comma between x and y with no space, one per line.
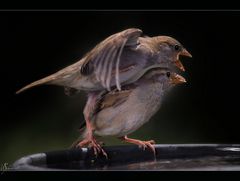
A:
[178,63]
[184,52]
[177,79]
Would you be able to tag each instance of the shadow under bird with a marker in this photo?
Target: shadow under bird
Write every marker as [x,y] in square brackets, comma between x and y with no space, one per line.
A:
[119,113]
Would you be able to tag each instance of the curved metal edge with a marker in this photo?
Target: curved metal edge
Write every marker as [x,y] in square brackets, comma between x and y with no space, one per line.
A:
[33,162]
[28,162]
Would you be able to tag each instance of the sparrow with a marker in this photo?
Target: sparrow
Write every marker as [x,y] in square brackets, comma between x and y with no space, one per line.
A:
[119,113]
[120,59]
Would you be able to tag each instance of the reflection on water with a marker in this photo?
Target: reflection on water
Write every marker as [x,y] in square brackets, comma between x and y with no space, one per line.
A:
[204,163]
[229,149]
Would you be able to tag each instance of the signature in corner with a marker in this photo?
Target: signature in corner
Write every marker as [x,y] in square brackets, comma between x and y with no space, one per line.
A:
[4,167]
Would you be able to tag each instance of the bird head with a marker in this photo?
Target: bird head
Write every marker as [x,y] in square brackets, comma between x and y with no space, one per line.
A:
[165,77]
[169,50]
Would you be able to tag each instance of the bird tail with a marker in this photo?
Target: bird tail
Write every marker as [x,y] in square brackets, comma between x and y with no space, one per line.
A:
[59,78]
[47,80]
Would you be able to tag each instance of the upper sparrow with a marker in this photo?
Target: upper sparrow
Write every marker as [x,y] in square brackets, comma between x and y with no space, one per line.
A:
[120,59]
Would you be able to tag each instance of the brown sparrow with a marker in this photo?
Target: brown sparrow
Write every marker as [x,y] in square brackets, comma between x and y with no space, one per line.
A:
[120,59]
[119,113]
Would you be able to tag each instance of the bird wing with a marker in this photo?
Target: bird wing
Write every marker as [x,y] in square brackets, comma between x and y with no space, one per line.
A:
[101,60]
[107,99]
[107,54]
[113,98]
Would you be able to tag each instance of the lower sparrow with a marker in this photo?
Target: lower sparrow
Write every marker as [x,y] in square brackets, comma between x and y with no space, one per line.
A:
[119,113]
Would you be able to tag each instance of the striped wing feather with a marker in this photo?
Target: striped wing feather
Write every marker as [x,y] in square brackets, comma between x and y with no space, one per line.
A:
[107,54]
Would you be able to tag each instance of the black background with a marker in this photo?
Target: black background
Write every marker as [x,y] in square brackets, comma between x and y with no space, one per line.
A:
[34,44]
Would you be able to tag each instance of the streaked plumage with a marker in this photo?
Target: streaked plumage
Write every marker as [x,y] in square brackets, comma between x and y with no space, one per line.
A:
[120,59]
[119,113]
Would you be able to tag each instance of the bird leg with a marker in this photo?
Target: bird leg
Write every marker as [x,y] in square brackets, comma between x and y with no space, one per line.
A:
[90,140]
[142,144]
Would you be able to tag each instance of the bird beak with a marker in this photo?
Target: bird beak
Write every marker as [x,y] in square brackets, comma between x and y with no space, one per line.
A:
[184,52]
[177,79]
[178,63]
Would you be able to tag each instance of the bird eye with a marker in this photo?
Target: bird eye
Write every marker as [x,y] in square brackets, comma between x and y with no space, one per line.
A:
[177,47]
[168,74]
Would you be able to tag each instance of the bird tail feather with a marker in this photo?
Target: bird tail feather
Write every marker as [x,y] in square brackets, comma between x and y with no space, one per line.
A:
[47,80]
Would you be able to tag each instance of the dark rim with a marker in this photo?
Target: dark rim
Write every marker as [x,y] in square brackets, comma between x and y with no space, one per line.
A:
[123,155]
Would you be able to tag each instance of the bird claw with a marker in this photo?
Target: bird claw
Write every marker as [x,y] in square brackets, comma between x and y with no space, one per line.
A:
[141,144]
[148,144]
[97,149]
[92,143]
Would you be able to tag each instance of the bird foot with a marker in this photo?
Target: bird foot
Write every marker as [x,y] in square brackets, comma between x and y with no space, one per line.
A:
[148,144]
[92,143]
[141,144]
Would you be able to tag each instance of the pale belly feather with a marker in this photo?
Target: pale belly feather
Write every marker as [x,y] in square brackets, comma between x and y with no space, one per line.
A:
[128,117]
